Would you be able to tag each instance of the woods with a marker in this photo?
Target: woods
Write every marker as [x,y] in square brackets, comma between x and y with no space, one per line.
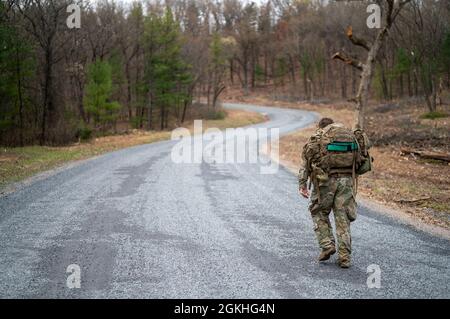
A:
[148,64]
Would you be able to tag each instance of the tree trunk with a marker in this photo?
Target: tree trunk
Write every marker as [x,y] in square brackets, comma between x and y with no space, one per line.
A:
[245,82]
[231,72]
[48,103]
[127,74]
[291,62]
[353,82]
[305,84]
[366,78]
[19,95]
[150,114]
[410,93]
[186,102]
[343,82]
[166,119]
[384,84]
[416,83]
[430,98]
[266,68]
[208,94]
[216,94]
[162,117]
[401,85]
[253,70]
[311,90]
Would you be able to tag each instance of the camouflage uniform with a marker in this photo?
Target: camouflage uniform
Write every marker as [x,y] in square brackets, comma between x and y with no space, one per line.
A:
[334,194]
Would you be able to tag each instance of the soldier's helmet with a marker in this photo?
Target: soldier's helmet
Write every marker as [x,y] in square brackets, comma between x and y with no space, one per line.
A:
[325,121]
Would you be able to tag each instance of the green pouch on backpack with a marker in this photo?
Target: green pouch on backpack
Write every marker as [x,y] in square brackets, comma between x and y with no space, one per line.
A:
[342,146]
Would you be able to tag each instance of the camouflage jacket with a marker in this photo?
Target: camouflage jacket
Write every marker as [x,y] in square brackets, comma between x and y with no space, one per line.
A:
[305,168]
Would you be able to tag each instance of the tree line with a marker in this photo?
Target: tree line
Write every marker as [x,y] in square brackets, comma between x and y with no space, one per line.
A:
[149,63]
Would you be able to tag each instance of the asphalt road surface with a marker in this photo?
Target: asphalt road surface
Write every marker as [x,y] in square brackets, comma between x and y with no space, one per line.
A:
[141,226]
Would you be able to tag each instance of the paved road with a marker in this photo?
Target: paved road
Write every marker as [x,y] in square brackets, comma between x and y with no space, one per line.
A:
[139,225]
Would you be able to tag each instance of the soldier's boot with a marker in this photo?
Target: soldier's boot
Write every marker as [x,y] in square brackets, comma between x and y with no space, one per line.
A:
[344,262]
[326,253]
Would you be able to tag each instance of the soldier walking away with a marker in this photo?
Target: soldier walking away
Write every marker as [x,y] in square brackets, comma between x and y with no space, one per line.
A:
[332,159]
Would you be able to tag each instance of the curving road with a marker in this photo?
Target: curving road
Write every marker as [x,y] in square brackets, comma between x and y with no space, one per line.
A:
[141,226]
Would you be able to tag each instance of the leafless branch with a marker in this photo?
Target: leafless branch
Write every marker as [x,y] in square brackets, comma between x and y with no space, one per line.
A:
[348,60]
[356,40]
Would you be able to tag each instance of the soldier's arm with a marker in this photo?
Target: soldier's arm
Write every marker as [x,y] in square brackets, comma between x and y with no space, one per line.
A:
[303,172]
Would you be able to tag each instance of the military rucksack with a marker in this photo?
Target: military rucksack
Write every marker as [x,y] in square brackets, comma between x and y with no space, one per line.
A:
[337,149]
[364,163]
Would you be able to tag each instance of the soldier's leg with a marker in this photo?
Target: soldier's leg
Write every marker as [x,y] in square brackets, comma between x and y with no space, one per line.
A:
[343,207]
[320,209]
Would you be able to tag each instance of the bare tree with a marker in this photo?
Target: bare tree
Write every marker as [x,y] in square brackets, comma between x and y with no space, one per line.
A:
[391,10]
[45,20]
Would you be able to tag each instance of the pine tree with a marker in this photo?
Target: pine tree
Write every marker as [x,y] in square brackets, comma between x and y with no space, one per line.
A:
[16,65]
[98,91]
[402,66]
[166,73]
[217,67]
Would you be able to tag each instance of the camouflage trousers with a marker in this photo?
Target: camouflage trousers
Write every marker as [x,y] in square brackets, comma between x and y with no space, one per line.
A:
[337,195]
